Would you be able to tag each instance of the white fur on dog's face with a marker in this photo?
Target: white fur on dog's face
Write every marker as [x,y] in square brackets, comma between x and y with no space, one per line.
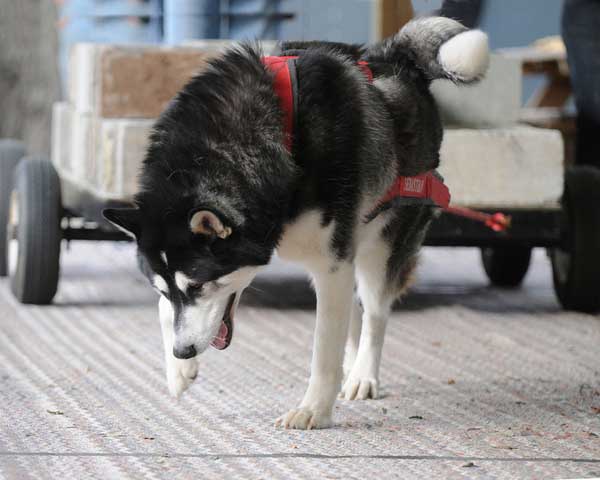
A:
[199,323]
[160,284]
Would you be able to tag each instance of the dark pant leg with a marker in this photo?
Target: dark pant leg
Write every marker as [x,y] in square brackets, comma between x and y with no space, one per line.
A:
[466,12]
[581,33]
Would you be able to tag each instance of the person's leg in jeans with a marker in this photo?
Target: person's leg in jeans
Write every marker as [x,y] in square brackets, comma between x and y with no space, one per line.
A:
[581,33]
[466,12]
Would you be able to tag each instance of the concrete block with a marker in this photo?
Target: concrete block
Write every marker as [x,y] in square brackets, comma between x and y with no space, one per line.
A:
[213,46]
[73,137]
[119,81]
[120,149]
[493,102]
[518,167]
[61,135]
[81,83]
[102,156]
[82,163]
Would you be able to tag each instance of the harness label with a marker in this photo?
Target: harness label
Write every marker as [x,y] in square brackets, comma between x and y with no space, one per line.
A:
[414,185]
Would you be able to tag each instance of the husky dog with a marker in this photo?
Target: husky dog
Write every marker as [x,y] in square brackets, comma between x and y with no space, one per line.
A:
[220,192]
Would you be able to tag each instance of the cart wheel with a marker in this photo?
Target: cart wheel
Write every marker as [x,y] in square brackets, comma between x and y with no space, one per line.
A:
[11,151]
[576,264]
[34,231]
[506,266]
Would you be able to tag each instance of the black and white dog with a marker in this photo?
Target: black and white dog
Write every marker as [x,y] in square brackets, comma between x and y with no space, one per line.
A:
[220,192]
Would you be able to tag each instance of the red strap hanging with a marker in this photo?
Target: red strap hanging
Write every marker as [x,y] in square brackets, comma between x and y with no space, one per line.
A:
[498,221]
[429,186]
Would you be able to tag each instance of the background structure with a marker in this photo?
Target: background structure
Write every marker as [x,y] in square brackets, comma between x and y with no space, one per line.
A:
[29,81]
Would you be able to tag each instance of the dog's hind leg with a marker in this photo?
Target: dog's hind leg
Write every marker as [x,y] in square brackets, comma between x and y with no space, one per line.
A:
[180,373]
[334,288]
[353,336]
[362,381]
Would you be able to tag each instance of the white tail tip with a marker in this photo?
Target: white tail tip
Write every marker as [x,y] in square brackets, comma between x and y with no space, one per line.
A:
[466,56]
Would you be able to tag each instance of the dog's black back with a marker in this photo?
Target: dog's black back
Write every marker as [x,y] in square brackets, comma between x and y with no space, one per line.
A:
[220,146]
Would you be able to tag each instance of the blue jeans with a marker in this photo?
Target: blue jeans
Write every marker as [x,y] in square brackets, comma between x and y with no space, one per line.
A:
[466,12]
[581,33]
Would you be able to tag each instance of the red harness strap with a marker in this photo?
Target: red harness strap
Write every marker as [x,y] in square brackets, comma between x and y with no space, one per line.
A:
[426,186]
[282,84]
[498,222]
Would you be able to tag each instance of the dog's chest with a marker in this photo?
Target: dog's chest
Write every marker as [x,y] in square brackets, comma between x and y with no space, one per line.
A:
[306,239]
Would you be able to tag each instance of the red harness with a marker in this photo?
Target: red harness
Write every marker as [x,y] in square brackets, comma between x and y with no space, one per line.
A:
[426,187]
[284,88]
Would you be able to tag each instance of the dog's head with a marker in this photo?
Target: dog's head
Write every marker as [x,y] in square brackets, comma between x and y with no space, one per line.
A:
[214,192]
[197,262]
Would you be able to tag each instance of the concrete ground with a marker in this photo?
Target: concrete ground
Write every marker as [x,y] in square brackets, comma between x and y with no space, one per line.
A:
[477,382]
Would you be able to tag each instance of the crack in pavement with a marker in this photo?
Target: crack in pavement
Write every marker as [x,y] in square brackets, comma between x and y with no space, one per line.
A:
[217,456]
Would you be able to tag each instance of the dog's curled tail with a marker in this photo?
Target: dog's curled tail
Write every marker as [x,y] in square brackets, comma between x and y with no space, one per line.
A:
[440,47]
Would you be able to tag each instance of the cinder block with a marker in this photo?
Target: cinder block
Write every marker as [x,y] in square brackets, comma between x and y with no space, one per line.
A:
[102,156]
[82,164]
[61,135]
[120,149]
[213,46]
[118,81]
[519,167]
[493,102]
[82,75]
[73,137]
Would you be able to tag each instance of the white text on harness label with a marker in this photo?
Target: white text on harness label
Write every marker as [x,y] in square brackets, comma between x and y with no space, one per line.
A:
[414,185]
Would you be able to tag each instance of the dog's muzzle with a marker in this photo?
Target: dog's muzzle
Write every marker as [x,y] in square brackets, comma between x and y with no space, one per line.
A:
[223,337]
[185,352]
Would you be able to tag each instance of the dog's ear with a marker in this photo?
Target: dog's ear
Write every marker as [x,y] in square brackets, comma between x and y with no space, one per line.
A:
[205,222]
[126,219]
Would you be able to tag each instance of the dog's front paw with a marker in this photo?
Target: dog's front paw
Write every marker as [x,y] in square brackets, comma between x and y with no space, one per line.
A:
[180,375]
[304,418]
[358,387]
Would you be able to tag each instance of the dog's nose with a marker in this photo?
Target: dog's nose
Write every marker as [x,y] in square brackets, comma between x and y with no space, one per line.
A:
[184,352]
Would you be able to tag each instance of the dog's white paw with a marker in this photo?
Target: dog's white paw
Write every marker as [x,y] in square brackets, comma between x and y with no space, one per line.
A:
[358,387]
[180,375]
[304,418]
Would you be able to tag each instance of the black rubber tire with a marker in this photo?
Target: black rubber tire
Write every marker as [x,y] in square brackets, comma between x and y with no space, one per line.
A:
[576,265]
[37,191]
[11,152]
[506,266]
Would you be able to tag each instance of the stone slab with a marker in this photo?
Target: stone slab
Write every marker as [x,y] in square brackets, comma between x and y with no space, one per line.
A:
[61,135]
[120,149]
[100,155]
[117,81]
[493,102]
[519,167]
[213,46]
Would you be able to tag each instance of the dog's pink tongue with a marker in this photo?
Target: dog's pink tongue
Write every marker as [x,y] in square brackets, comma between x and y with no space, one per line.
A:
[220,341]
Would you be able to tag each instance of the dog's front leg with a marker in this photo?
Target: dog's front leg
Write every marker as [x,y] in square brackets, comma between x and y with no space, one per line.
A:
[334,298]
[180,373]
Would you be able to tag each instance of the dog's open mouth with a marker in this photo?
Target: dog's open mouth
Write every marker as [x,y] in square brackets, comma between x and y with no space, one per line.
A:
[223,338]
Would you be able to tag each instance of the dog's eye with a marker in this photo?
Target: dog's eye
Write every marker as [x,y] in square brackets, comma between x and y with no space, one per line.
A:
[210,287]
[194,288]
